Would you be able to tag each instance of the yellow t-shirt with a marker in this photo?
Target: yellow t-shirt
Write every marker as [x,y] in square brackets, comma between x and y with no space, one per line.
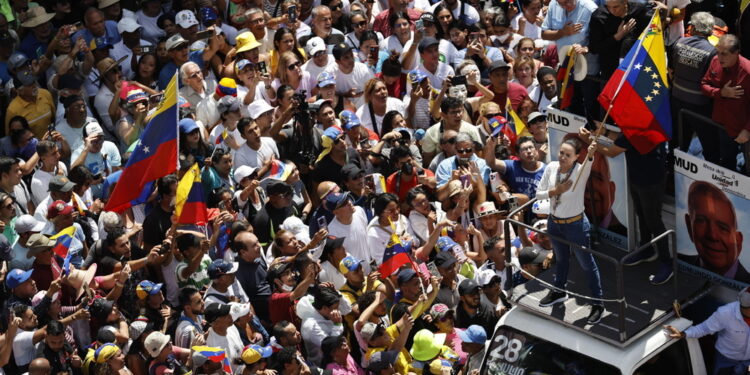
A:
[39,114]
[403,359]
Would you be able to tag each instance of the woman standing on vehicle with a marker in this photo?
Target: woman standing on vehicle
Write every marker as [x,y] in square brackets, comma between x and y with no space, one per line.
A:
[568,221]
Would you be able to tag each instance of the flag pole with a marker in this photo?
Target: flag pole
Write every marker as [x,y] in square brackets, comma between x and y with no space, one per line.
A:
[614,96]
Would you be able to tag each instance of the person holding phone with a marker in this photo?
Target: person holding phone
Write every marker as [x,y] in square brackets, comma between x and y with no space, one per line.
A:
[131,46]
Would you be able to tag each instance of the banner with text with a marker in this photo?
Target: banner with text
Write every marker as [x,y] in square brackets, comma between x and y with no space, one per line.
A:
[712,212]
[607,200]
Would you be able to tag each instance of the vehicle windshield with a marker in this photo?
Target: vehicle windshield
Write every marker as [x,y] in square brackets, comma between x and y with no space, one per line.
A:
[512,352]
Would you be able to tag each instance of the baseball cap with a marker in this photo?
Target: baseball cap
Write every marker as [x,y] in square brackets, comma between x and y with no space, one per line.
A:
[349,264]
[202,354]
[541,207]
[215,311]
[340,49]
[426,345]
[127,25]
[531,255]
[744,297]
[349,119]
[155,342]
[496,124]
[69,81]
[382,360]
[100,43]
[61,184]
[536,116]
[416,76]
[278,187]
[187,125]
[333,243]
[325,79]
[17,277]
[275,271]
[445,259]
[17,60]
[498,64]
[137,327]
[337,200]
[229,104]
[468,286]
[175,41]
[38,243]
[254,353]
[405,275]
[147,288]
[369,330]
[185,19]
[220,267]
[315,45]
[439,311]
[474,334]
[427,17]
[136,95]
[427,42]
[349,172]
[258,108]
[485,277]
[209,15]
[445,243]
[92,128]
[27,223]
[242,64]
[242,172]
[58,208]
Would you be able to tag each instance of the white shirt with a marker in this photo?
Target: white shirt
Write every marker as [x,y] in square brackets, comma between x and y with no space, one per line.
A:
[255,158]
[391,104]
[331,274]
[40,183]
[103,98]
[102,161]
[231,343]
[354,80]
[530,30]
[314,70]
[150,31]
[436,80]
[471,15]
[392,43]
[23,347]
[235,134]
[74,136]
[570,203]
[431,140]
[120,50]
[206,111]
[378,237]
[266,43]
[422,118]
[355,242]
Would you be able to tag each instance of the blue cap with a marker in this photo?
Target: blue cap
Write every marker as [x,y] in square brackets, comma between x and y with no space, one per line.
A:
[416,76]
[187,125]
[325,79]
[445,243]
[332,132]
[349,264]
[336,200]
[475,334]
[147,288]
[405,275]
[220,267]
[99,43]
[243,63]
[349,119]
[419,134]
[496,124]
[17,277]
[208,14]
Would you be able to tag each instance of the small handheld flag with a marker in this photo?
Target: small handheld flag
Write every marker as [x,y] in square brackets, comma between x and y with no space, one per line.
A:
[190,205]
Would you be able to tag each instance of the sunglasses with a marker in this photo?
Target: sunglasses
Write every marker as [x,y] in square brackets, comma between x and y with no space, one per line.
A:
[449,140]
[361,24]
[336,7]
[293,66]
[491,115]
[464,150]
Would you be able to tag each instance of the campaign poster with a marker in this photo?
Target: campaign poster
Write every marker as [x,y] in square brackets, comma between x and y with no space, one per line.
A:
[607,203]
[712,218]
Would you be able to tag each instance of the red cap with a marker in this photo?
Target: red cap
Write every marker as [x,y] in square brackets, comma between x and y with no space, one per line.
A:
[58,208]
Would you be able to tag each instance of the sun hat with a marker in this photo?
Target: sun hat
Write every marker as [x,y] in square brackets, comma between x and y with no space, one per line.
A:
[426,345]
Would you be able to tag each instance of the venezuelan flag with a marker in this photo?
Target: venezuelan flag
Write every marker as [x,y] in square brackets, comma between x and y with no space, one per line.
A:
[64,239]
[220,139]
[215,355]
[78,204]
[278,171]
[396,255]
[190,207]
[154,157]
[515,123]
[565,75]
[637,95]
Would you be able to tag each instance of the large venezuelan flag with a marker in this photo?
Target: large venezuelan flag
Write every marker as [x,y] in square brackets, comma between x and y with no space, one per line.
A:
[396,255]
[155,156]
[190,207]
[638,91]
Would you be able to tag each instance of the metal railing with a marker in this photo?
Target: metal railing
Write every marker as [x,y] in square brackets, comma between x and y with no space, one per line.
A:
[618,263]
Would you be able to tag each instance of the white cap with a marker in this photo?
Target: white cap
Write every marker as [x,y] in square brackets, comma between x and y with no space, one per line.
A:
[243,172]
[185,19]
[127,25]
[258,107]
[155,342]
[315,45]
[238,310]
[485,276]
[27,223]
[93,128]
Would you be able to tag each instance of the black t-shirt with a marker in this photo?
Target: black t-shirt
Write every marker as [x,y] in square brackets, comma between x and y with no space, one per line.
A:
[267,221]
[329,170]
[155,226]
[643,170]
[484,317]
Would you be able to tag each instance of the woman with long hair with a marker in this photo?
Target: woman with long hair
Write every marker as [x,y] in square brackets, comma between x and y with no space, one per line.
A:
[192,147]
[388,220]
[568,221]
[378,103]
[147,70]
[526,47]
[290,73]
[284,41]
[401,26]
[110,360]
[524,73]
[444,17]
[337,357]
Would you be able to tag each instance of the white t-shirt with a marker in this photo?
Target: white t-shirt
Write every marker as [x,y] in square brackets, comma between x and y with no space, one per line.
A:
[234,134]
[74,136]
[331,274]
[436,80]
[102,161]
[40,183]
[378,237]
[422,118]
[315,70]
[206,111]
[150,31]
[531,30]
[255,158]
[355,242]
[354,80]
[232,343]
[23,347]
[391,104]
[471,15]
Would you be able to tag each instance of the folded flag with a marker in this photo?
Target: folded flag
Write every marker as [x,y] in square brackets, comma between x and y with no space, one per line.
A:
[66,264]
[222,243]
[190,205]
[154,157]
[79,205]
[278,171]
[637,94]
[565,75]
[517,126]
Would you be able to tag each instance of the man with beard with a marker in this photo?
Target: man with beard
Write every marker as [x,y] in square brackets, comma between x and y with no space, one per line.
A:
[470,310]
[71,126]
[191,318]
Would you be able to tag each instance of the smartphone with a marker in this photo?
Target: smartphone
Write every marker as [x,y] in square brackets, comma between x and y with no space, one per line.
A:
[433,269]
[421,172]
[374,51]
[155,99]
[473,37]
[419,25]
[147,49]
[370,182]
[164,248]
[292,11]
[465,180]
[51,127]
[262,67]
[458,80]
[460,253]
[495,182]
[205,34]
[322,222]
[373,265]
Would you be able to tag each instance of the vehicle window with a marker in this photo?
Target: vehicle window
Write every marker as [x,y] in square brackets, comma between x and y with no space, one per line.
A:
[672,360]
[512,352]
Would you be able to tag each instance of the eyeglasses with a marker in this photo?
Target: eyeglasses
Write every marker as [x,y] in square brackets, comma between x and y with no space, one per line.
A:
[360,24]
[491,115]
[449,140]
[464,150]
[195,75]
[293,66]
[335,7]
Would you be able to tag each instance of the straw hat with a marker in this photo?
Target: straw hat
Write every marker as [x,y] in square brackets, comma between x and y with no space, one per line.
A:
[37,16]
[78,278]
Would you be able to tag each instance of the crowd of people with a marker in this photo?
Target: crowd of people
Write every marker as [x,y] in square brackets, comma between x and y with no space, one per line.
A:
[356,171]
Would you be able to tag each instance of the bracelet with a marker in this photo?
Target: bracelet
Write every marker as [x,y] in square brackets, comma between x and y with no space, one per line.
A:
[119,284]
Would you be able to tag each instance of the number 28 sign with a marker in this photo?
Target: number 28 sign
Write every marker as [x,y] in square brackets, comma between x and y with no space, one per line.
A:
[505,351]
